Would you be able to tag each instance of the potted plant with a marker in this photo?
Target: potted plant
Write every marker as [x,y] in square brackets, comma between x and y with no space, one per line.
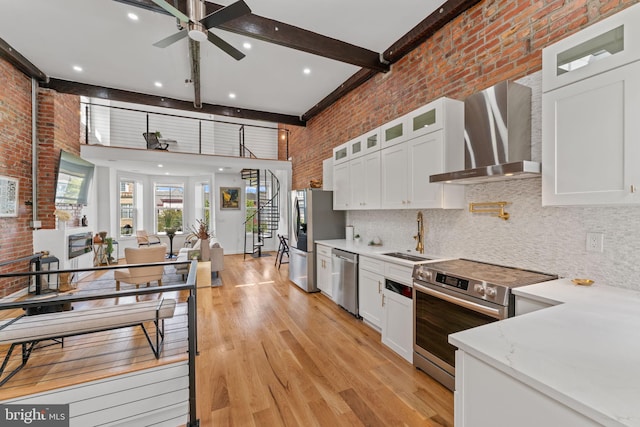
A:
[109,248]
[170,221]
[201,231]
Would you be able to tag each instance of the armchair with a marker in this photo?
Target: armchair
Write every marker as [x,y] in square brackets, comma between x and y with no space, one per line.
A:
[145,239]
[153,143]
[141,275]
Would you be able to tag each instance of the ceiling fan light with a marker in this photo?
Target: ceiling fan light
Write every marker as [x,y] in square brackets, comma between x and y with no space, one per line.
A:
[197,32]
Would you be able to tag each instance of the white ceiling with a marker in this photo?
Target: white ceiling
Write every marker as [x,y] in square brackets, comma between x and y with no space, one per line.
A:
[116,52]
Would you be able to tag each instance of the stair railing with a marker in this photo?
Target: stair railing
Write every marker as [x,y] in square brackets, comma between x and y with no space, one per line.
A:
[262,209]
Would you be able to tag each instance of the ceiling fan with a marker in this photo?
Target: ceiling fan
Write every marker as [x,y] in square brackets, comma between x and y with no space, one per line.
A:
[197,26]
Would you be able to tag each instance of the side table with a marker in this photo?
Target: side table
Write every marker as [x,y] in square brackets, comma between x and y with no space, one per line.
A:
[100,256]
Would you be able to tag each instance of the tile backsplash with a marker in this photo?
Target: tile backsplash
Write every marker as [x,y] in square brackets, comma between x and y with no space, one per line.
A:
[549,239]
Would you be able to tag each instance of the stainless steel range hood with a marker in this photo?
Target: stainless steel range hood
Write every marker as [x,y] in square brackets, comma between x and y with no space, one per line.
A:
[497,136]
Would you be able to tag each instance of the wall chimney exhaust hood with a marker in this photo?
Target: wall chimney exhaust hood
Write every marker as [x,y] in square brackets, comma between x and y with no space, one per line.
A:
[497,136]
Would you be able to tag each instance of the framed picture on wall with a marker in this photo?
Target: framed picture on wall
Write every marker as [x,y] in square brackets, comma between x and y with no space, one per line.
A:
[229,197]
[8,196]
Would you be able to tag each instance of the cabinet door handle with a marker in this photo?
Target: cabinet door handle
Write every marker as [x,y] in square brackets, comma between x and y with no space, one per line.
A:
[383,300]
[379,284]
[633,188]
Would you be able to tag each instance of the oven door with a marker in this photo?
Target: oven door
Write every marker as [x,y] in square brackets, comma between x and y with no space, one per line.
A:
[439,312]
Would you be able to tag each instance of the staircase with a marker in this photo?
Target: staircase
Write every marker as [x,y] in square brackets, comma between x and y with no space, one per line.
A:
[264,218]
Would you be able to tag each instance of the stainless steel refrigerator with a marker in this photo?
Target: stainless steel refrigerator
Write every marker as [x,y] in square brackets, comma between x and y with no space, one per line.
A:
[312,218]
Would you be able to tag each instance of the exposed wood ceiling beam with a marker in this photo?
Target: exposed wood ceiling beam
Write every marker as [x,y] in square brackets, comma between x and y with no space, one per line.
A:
[20,62]
[426,28]
[82,89]
[194,57]
[286,35]
[418,35]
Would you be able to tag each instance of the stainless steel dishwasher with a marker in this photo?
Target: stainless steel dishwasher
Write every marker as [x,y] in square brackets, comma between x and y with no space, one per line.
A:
[345,287]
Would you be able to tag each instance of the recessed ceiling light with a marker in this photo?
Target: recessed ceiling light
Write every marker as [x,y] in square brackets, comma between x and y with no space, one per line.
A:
[246,45]
[166,173]
[220,169]
[307,71]
[158,84]
[77,68]
[132,16]
[232,95]
[160,165]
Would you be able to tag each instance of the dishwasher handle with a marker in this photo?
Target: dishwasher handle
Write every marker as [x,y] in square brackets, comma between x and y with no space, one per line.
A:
[345,256]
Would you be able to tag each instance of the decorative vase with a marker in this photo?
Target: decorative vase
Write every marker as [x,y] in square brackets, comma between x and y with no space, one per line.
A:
[205,251]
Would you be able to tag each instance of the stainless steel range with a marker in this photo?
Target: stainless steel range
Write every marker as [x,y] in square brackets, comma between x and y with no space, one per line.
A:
[451,296]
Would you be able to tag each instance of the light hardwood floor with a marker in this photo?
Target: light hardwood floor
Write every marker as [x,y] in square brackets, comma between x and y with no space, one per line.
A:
[271,354]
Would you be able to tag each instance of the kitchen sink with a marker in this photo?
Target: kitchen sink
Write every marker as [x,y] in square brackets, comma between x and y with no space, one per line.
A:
[407,257]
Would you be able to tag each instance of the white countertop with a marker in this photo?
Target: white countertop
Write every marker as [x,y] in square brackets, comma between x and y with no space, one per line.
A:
[584,352]
[377,252]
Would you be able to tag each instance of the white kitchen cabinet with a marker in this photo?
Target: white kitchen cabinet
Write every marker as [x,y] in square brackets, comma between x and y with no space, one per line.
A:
[372,141]
[327,174]
[435,145]
[590,104]
[431,117]
[405,175]
[525,305]
[356,148]
[324,271]
[397,326]
[601,47]
[395,131]
[370,285]
[341,153]
[591,140]
[394,177]
[341,186]
[364,181]
[486,396]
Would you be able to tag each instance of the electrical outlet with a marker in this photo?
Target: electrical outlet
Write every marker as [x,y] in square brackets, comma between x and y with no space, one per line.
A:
[595,242]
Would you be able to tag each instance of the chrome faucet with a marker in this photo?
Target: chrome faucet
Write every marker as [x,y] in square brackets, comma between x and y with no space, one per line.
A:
[420,236]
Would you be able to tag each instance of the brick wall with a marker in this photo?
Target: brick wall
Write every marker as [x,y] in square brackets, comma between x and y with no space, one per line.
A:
[58,124]
[15,161]
[58,129]
[493,41]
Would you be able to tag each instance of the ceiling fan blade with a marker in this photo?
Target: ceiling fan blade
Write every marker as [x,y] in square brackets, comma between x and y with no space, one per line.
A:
[171,39]
[172,10]
[235,53]
[220,16]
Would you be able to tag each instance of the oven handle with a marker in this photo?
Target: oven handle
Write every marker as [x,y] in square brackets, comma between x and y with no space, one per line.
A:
[491,312]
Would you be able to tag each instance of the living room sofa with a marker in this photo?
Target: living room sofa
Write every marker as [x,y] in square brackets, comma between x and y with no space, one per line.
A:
[216,256]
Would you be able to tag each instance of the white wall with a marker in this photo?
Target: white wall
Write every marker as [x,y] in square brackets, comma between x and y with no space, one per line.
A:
[229,222]
[550,239]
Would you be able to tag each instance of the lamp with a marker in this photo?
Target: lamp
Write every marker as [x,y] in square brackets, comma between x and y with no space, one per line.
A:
[197,32]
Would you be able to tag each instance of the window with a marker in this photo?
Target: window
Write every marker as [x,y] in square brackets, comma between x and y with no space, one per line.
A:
[206,208]
[168,207]
[127,197]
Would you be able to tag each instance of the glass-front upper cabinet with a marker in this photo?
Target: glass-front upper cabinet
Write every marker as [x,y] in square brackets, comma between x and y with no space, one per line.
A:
[372,141]
[603,46]
[356,148]
[341,153]
[426,119]
[394,132]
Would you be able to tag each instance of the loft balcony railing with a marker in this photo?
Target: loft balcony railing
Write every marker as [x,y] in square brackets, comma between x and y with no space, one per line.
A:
[118,126]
